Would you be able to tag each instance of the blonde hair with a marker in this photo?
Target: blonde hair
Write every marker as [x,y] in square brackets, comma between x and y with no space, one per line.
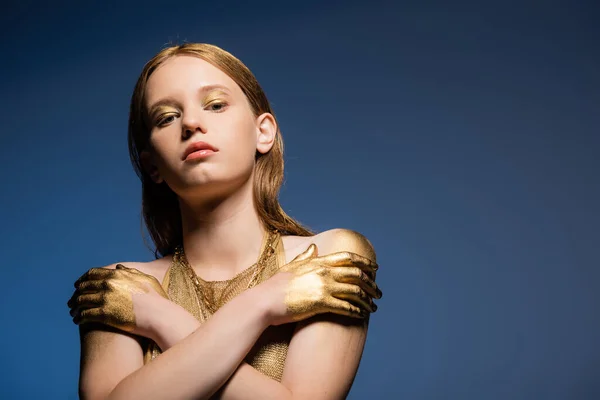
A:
[160,206]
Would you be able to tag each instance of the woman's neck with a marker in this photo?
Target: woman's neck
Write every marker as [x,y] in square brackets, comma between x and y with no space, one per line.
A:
[223,238]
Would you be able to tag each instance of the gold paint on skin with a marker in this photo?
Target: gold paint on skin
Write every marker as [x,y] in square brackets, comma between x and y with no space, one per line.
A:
[106,295]
[318,285]
[269,353]
[213,95]
[334,283]
[162,111]
[304,295]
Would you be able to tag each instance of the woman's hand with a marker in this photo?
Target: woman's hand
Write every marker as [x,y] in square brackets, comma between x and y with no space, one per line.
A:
[341,283]
[123,298]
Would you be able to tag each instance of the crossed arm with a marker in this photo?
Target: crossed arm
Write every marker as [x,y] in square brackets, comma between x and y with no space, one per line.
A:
[197,361]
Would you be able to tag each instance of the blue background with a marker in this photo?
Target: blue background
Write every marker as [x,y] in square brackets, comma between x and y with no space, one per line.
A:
[461,139]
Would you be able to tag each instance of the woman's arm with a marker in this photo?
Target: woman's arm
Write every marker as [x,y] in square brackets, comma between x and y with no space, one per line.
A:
[245,383]
[202,362]
[324,353]
[195,367]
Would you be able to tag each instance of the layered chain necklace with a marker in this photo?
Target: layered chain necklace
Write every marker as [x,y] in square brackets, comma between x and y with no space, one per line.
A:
[267,251]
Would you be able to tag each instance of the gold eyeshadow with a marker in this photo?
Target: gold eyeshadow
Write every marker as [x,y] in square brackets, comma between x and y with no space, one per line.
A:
[213,95]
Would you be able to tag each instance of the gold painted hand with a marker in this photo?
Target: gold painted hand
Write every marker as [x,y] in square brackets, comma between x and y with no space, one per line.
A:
[341,283]
[123,298]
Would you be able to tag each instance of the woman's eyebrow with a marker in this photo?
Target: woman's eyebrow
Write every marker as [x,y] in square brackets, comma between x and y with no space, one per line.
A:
[208,88]
[172,101]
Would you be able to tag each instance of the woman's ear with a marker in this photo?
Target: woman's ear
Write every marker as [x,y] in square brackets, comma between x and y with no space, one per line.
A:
[149,166]
[266,131]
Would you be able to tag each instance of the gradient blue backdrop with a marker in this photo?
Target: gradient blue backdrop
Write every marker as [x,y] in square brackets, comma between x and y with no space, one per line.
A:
[462,139]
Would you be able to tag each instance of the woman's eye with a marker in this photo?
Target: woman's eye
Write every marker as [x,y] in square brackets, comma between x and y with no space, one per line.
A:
[217,107]
[165,120]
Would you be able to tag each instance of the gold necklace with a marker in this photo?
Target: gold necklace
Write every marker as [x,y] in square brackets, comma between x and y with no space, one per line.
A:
[266,252]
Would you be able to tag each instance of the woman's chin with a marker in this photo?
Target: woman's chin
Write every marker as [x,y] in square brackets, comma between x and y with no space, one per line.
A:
[212,188]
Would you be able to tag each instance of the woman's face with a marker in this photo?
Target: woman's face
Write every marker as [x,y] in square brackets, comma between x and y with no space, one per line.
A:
[189,101]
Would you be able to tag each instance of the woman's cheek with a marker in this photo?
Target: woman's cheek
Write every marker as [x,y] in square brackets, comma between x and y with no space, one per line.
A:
[242,159]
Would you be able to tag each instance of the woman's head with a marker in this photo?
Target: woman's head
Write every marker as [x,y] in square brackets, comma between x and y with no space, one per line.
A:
[199,92]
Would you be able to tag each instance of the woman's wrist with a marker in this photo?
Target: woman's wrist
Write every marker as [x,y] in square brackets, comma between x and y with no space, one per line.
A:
[170,324]
[264,299]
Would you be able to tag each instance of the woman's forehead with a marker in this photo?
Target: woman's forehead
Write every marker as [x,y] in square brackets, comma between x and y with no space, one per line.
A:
[183,73]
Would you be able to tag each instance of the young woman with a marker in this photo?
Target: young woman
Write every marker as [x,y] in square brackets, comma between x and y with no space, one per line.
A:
[242,302]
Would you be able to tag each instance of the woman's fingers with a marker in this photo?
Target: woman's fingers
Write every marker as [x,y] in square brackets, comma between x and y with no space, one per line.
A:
[356,276]
[353,294]
[129,269]
[89,315]
[348,259]
[87,287]
[105,273]
[95,274]
[343,307]
[92,286]
[310,252]
[85,301]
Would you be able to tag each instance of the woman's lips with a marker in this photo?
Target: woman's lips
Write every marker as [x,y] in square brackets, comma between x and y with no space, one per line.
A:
[198,147]
[199,154]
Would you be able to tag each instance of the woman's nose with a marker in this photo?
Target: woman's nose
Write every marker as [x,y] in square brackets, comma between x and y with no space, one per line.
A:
[192,123]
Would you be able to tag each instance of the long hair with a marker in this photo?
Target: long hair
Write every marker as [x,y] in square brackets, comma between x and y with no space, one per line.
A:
[160,206]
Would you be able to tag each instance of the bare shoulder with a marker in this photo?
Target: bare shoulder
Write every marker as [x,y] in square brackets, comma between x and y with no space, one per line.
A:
[325,350]
[336,240]
[157,268]
[331,241]
[108,352]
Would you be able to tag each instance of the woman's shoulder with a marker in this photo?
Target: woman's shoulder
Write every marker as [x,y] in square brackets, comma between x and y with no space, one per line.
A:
[331,241]
[157,268]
